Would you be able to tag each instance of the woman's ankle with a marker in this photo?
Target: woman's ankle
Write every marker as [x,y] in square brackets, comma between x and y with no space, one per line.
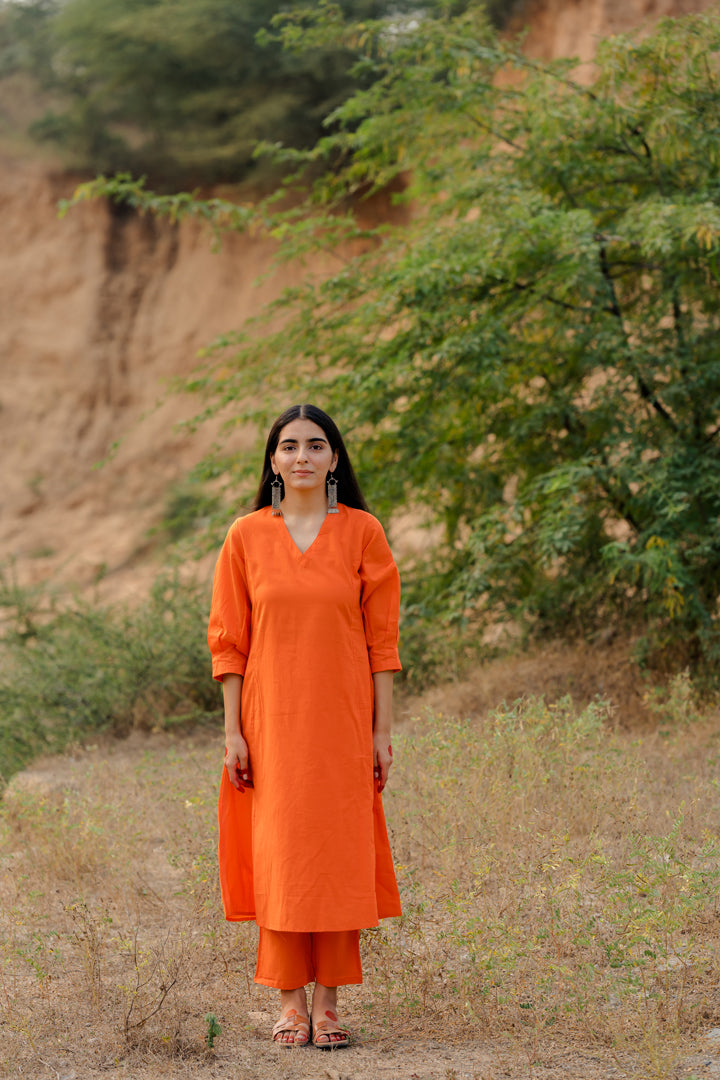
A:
[294,999]
[324,999]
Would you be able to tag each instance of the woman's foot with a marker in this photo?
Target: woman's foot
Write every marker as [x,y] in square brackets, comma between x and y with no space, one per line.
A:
[327,1033]
[293,1027]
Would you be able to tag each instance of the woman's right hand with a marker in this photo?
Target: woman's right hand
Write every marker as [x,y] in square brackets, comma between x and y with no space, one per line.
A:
[237,762]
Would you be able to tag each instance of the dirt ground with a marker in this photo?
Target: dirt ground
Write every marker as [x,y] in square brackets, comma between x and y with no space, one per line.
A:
[101,844]
[403,1059]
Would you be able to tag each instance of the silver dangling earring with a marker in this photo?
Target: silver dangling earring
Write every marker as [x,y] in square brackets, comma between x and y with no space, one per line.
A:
[276,492]
[332,487]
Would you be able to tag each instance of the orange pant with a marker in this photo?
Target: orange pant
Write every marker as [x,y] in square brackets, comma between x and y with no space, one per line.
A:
[288,960]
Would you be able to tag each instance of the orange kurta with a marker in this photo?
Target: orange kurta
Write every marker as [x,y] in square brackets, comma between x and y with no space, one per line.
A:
[307,848]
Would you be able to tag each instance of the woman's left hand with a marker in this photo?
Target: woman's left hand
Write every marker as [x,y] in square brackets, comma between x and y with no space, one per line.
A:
[382,759]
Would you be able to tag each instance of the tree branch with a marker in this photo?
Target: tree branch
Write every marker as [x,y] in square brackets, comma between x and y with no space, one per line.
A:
[493,131]
[645,391]
[530,287]
[619,500]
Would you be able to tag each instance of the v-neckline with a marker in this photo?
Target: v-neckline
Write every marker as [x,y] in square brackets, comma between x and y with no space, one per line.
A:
[301,554]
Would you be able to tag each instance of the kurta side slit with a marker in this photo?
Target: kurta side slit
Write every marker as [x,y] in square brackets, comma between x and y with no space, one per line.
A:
[307,848]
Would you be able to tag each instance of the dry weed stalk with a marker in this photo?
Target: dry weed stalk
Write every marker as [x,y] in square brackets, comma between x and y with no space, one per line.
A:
[88,938]
[155,972]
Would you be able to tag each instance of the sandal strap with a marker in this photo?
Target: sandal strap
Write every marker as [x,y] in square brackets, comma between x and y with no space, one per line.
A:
[292,1021]
[329,1027]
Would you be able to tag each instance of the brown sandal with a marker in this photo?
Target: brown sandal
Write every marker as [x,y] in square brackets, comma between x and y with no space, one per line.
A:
[324,1029]
[296,1023]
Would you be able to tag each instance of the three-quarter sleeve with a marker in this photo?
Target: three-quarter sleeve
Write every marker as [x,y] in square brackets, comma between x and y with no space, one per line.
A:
[231,610]
[380,600]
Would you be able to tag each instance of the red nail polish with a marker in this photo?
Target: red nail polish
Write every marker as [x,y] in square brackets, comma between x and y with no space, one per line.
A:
[390,750]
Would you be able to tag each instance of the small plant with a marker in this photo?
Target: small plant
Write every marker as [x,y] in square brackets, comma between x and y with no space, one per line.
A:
[213,1030]
[676,704]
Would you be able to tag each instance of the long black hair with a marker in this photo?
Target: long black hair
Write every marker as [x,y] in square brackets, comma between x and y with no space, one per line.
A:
[348,490]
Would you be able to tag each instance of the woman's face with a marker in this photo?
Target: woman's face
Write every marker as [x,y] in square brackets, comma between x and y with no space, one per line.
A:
[303,456]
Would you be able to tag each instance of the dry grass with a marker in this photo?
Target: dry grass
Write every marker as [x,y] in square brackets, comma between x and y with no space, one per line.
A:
[559,879]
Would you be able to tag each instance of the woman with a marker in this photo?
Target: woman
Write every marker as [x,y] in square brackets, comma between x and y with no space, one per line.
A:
[303,634]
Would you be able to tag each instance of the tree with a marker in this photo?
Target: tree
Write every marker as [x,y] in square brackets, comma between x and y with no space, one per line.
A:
[179,89]
[24,37]
[533,360]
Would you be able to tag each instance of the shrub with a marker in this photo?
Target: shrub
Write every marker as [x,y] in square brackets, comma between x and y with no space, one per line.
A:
[71,669]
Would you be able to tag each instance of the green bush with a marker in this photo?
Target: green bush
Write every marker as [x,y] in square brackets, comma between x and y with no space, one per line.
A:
[189,507]
[69,670]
